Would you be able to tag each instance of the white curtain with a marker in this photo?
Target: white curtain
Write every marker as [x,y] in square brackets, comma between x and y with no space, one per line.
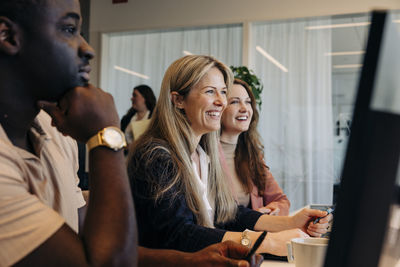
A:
[296,115]
[151,52]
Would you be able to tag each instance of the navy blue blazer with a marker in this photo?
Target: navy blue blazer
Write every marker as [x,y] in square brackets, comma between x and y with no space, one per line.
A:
[168,223]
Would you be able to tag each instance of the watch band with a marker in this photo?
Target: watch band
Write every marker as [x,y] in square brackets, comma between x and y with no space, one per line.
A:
[99,139]
[245,239]
[94,141]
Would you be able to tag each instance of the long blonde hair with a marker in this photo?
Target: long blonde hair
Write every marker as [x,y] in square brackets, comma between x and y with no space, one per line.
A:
[170,125]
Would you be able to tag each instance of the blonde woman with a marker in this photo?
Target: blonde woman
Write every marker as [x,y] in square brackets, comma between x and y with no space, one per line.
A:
[243,159]
[181,198]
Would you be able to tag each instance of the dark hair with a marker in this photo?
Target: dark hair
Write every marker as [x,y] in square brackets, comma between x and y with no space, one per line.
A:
[147,93]
[150,101]
[21,11]
[249,153]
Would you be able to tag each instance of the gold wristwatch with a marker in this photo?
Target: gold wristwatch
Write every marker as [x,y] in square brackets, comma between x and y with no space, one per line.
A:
[111,137]
[245,240]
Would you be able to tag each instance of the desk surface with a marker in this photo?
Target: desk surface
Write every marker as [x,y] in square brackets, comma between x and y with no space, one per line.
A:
[270,263]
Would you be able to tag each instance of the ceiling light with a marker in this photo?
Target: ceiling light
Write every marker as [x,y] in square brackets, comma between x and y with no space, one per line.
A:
[187,52]
[347,66]
[132,72]
[333,26]
[346,53]
[270,58]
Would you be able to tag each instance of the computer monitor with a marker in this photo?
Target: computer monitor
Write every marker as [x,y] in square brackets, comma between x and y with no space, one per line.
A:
[369,172]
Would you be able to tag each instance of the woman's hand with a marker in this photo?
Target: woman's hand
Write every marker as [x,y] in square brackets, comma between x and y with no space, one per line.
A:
[275,243]
[319,228]
[305,221]
[271,209]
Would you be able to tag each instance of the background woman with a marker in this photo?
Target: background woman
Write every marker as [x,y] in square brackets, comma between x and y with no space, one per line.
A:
[181,198]
[243,163]
[143,103]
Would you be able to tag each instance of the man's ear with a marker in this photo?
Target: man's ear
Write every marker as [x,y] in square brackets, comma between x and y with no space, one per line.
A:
[10,42]
[177,100]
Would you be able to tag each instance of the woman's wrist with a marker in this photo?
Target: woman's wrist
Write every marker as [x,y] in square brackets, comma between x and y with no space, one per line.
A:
[291,224]
[264,245]
[252,235]
[267,245]
[274,223]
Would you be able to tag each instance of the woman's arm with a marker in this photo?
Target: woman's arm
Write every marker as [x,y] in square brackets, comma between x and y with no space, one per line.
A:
[282,229]
[302,220]
[274,243]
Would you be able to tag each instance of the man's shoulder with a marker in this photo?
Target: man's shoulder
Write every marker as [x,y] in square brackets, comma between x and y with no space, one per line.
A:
[43,122]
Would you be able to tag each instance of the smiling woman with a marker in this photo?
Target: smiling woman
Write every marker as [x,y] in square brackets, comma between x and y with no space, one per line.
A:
[204,104]
[181,198]
[187,114]
[243,156]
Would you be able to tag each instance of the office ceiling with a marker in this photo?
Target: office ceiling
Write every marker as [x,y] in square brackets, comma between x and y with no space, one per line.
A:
[353,38]
[349,39]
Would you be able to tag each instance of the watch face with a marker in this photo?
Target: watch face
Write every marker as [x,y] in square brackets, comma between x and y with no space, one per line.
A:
[245,242]
[113,137]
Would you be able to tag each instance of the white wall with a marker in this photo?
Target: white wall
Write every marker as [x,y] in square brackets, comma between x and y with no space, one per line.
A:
[163,14]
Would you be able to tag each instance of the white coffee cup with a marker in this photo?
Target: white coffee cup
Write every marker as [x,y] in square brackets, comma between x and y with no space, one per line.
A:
[307,252]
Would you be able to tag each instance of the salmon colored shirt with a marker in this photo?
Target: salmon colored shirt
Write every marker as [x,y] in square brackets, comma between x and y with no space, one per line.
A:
[38,192]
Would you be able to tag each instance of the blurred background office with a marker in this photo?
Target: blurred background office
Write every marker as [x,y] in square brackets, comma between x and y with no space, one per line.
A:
[308,55]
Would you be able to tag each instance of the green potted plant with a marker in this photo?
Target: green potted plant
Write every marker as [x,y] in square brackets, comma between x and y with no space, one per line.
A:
[244,74]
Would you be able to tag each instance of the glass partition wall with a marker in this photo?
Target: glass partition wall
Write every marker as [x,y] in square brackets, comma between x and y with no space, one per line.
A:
[296,114]
[133,58]
[309,68]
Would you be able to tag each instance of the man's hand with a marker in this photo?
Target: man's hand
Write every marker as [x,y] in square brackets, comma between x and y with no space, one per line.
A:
[227,253]
[82,112]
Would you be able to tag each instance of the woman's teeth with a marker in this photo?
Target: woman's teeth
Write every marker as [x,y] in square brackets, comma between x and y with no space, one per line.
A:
[213,113]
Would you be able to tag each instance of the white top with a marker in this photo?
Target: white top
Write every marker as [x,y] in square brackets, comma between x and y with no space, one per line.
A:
[136,127]
[202,181]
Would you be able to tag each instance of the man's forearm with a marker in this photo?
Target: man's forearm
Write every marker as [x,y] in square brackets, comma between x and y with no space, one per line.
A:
[162,257]
[110,224]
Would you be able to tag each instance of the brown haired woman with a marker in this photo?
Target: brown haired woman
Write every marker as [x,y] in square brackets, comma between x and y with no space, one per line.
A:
[242,158]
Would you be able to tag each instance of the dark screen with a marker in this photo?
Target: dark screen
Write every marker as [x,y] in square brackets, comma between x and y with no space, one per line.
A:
[369,172]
